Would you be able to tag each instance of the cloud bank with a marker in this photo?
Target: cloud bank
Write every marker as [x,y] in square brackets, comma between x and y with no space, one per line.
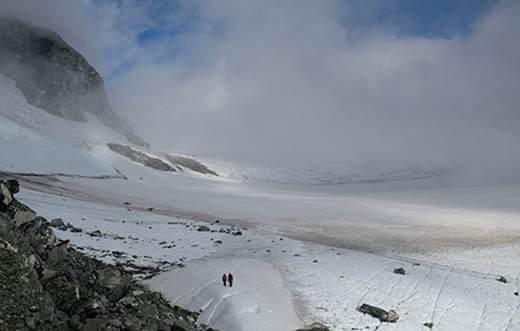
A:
[294,82]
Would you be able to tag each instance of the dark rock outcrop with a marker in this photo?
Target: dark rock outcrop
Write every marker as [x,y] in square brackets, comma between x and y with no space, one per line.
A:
[47,285]
[55,77]
[191,164]
[140,157]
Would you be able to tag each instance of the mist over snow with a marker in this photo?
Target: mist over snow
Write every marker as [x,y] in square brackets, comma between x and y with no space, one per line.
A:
[302,83]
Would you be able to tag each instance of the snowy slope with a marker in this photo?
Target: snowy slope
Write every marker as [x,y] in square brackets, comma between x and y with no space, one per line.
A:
[257,301]
[37,142]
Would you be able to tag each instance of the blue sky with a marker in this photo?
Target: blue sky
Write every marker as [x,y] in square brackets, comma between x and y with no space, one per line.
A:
[166,20]
[424,18]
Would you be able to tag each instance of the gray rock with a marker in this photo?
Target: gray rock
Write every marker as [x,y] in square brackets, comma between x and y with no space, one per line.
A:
[316,326]
[94,324]
[57,223]
[5,195]
[96,233]
[13,186]
[400,271]
[392,316]
[203,228]
[30,322]
[23,216]
[379,313]
[140,157]
[502,279]
[191,164]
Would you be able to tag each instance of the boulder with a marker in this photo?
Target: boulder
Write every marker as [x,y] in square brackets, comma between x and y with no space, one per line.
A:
[392,316]
[57,223]
[94,324]
[5,196]
[429,325]
[22,215]
[316,326]
[96,233]
[13,186]
[379,313]
[502,279]
[203,228]
[400,271]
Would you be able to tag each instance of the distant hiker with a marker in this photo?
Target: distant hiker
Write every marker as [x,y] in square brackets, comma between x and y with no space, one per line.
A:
[224,279]
[230,279]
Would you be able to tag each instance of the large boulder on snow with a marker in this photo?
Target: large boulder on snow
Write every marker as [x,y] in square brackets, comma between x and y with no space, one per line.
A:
[379,313]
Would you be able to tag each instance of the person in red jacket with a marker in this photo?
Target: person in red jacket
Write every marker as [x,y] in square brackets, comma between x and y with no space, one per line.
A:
[230,279]
[224,279]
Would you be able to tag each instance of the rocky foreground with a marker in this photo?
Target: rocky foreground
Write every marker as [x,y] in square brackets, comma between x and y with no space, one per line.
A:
[47,285]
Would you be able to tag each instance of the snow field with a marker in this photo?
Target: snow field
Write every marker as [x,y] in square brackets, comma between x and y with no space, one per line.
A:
[327,284]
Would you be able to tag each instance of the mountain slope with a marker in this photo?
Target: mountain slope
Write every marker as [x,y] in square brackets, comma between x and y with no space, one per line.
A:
[55,77]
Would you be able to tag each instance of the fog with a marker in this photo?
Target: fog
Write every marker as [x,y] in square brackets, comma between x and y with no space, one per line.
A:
[293,82]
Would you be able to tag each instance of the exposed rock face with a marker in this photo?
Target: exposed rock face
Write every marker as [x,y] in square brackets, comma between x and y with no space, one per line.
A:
[46,285]
[191,164]
[140,157]
[55,77]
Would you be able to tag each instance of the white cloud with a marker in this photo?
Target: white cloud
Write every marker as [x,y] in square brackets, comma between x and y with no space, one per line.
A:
[282,81]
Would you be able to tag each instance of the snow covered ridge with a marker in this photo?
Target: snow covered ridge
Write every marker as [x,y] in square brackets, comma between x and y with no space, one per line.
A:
[55,77]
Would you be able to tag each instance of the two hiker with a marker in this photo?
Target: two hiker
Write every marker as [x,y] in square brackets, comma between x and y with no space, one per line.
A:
[227,279]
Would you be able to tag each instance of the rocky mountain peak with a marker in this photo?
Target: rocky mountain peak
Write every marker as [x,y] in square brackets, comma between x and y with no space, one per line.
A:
[55,77]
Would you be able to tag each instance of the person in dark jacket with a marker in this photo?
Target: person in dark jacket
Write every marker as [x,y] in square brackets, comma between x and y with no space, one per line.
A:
[230,279]
[224,279]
